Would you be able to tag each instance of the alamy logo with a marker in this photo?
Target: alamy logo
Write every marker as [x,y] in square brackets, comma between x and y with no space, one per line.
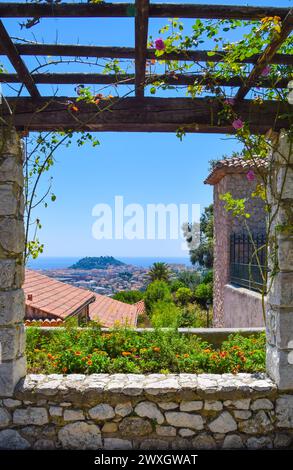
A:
[149,222]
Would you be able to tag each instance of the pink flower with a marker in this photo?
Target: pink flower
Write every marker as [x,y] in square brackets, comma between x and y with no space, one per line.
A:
[266,71]
[250,175]
[159,44]
[230,101]
[238,124]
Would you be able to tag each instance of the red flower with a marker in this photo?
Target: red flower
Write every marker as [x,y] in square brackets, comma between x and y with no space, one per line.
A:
[159,44]
[238,124]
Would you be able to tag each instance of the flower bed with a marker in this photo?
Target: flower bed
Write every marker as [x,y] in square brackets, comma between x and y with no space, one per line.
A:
[126,351]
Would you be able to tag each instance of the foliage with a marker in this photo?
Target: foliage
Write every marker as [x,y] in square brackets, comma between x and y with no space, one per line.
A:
[156,291]
[203,254]
[165,315]
[190,279]
[123,350]
[159,272]
[183,295]
[204,293]
[101,262]
[208,277]
[129,296]
[175,285]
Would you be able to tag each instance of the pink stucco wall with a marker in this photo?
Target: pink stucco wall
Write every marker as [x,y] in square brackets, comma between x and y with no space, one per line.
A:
[224,225]
[242,308]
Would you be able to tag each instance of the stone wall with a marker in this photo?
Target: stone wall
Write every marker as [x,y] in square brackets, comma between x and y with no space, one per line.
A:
[280,296]
[122,411]
[224,225]
[12,364]
[243,307]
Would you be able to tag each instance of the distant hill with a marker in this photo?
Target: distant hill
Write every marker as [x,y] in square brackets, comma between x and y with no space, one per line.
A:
[102,262]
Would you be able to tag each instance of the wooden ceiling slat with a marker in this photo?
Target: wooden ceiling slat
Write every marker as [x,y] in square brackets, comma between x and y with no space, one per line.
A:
[68,50]
[160,10]
[143,115]
[129,79]
[141,37]
[17,62]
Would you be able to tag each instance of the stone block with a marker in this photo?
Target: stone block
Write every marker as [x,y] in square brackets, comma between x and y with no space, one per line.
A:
[73,415]
[12,307]
[135,427]
[184,420]
[279,367]
[7,273]
[80,436]
[149,410]
[10,374]
[191,405]
[10,439]
[12,342]
[285,252]
[102,412]
[284,411]
[123,409]
[166,431]
[223,423]
[12,235]
[281,293]
[10,170]
[31,415]
[117,444]
[8,200]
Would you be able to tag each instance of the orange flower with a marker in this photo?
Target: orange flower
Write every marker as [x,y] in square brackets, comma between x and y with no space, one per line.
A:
[77,353]
[177,355]
[64,370]
[126,353]
[223,353]
[156,349]
[89,363]
[186,355]
[207,350]
[50,356]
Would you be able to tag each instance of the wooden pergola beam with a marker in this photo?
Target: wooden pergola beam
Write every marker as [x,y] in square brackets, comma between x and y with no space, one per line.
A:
[142,115]
[266,57]
[129,79]
[67,50]
[17,62]
[159,10]
[141,37]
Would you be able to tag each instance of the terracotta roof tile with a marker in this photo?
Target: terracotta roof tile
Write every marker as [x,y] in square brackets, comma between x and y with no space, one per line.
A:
[232,166]
[53,297]
[109,312]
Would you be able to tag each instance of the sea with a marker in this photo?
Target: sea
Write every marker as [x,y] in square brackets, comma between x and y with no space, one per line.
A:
[53,262]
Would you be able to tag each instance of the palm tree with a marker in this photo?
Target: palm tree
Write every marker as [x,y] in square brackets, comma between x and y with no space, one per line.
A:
[159,272]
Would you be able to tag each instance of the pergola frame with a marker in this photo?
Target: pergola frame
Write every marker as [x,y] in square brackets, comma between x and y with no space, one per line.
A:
[139,113]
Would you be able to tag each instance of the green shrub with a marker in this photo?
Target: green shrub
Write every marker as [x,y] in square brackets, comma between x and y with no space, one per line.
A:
[204,293]
[129,296]
[183,295]
[165,315]
[156,291]
[124,350]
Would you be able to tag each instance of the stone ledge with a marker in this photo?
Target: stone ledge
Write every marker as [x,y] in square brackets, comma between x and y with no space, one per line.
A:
[78,387]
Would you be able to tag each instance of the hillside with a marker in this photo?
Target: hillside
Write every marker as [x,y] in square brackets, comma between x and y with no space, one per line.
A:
[101,262]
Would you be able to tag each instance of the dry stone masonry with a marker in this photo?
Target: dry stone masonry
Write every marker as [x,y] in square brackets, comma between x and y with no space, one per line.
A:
[280,297]
[12,361]
[120,411]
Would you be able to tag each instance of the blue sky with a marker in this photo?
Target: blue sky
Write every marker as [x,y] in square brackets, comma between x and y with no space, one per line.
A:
[143,168]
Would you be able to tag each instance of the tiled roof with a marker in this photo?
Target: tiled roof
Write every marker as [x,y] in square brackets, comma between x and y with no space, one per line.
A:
[140,306]
[109,312]
[232,166]
[54,298]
